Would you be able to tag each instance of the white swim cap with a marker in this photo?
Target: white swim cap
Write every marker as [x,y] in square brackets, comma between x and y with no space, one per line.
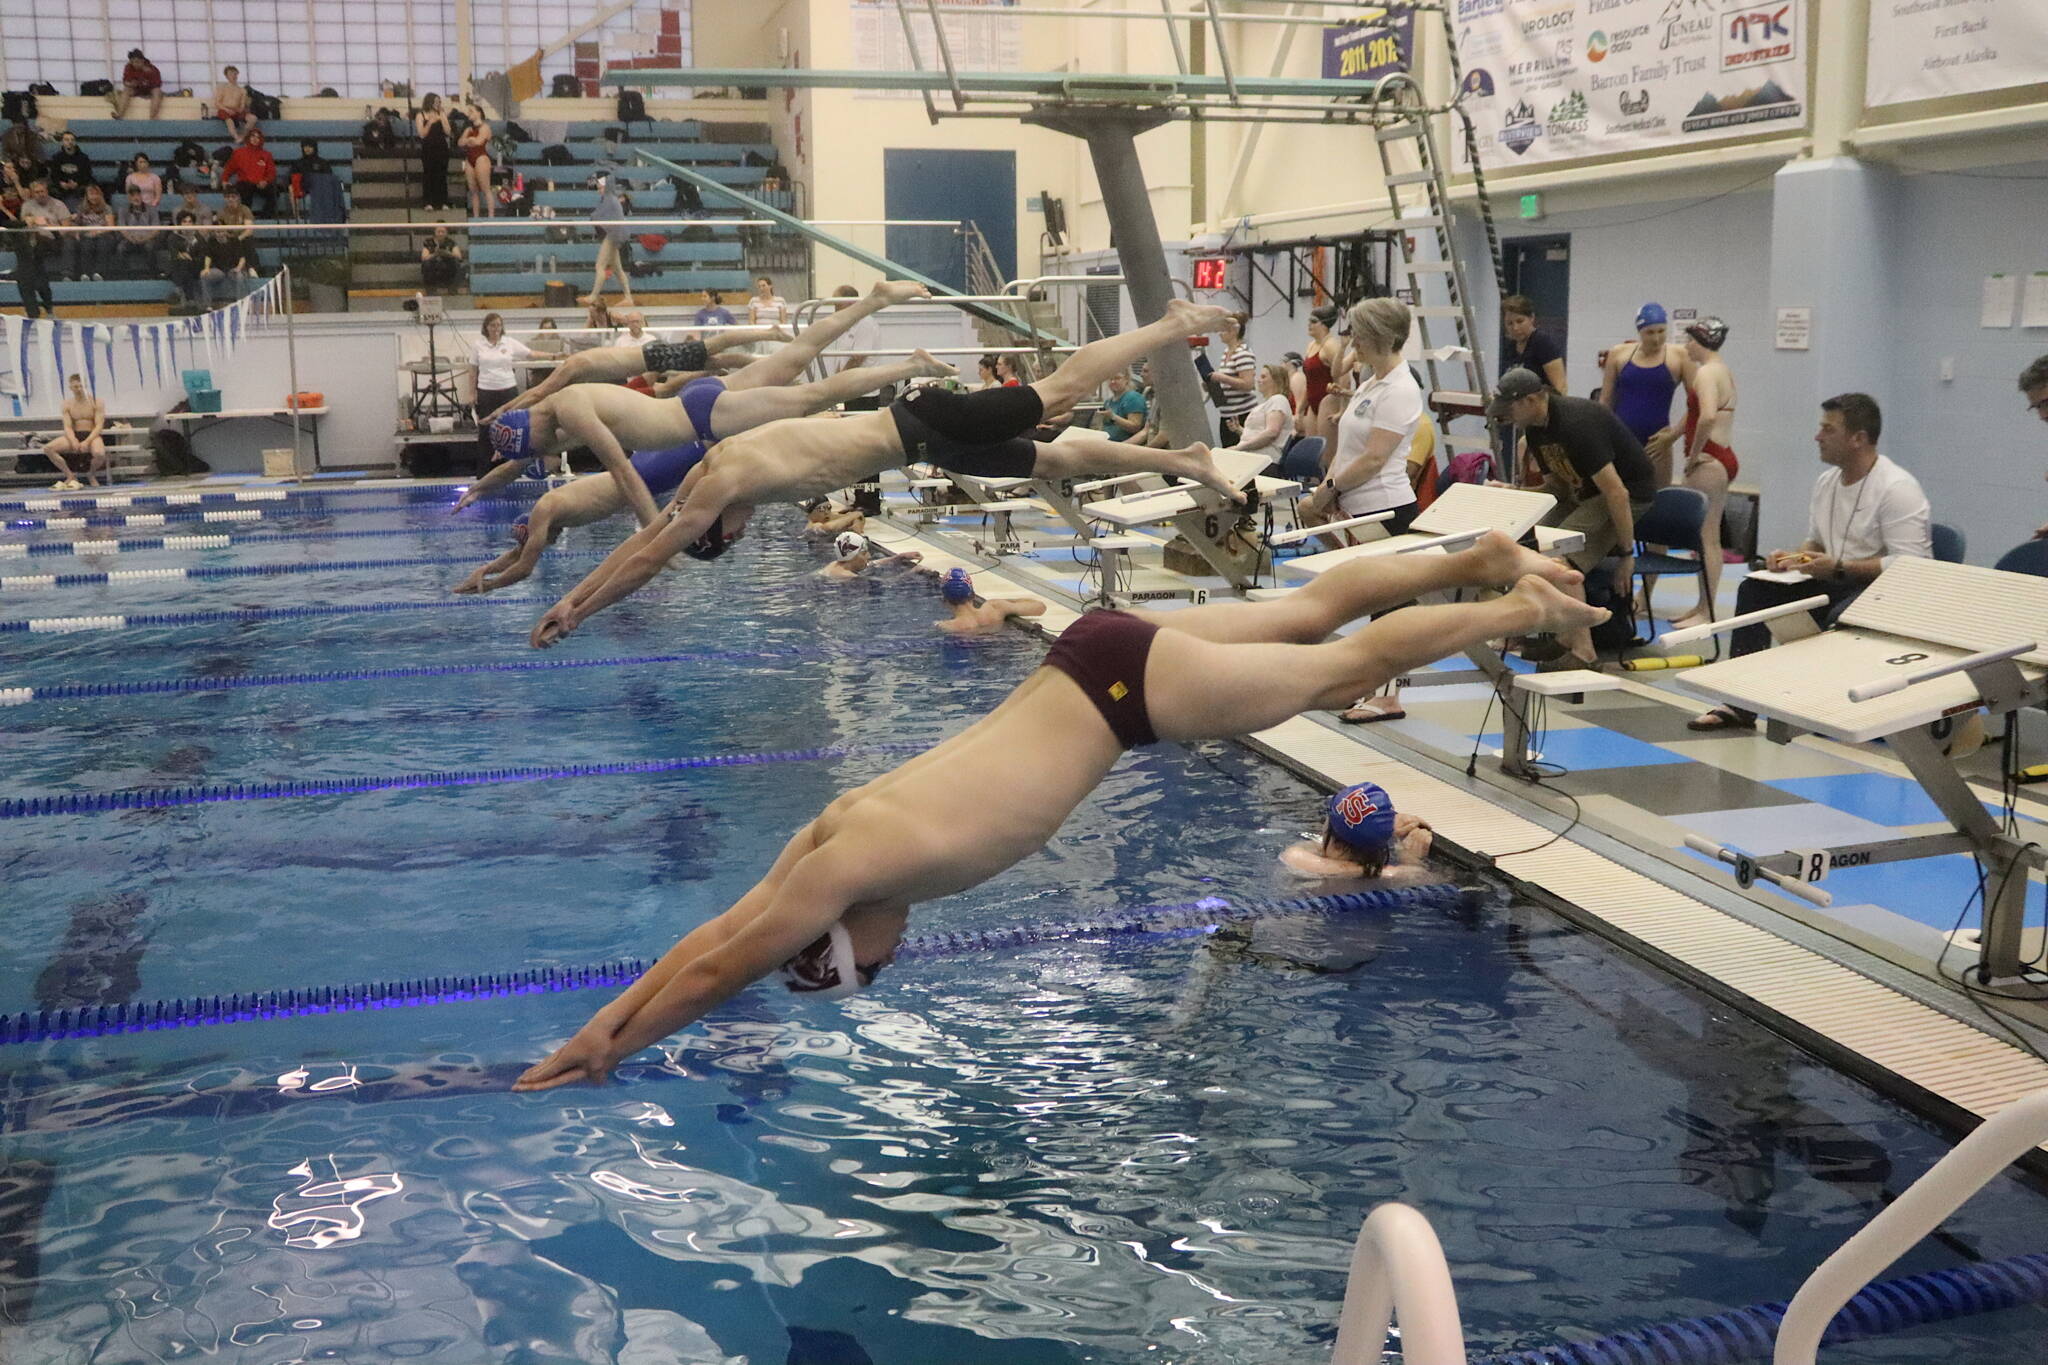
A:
[826,968]
[850,543]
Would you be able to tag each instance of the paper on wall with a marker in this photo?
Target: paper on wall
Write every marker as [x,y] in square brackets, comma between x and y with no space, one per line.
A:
[2001,296]
[2034,307]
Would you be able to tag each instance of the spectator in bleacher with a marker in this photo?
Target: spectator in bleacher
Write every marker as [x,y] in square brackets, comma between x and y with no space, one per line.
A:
[23,140]
[139,80]
[380,134]
[189,202]
[142,180]
[92,253]
[989,372]
[191,166]
[430,125]
[547,340]
[612,231]
[137,252]
[70,170]
[715,314]
[635,333]
[17,175]
[231,104]
[40,211]
[1238,378]
[30,276]
[766,308]
[1267,426]
[313,186]
[187,260]
[441,262]
[475,144]
[1006,372]
[233,249]
[252,170]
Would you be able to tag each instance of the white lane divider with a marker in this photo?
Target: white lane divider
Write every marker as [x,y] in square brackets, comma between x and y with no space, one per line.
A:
[65,625]
[44,580]
[120,575]
[16,696]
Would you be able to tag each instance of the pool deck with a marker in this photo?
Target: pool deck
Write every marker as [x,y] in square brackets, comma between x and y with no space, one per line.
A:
[1603,845]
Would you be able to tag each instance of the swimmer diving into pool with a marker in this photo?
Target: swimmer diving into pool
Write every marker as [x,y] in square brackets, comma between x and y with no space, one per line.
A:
[984,433]
[831,911]
[610,419]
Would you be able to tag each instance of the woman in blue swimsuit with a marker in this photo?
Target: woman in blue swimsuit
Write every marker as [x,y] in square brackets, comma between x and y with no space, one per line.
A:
[1642,376]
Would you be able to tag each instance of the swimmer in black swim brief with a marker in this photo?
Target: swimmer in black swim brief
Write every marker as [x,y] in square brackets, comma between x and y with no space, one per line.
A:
[850,877]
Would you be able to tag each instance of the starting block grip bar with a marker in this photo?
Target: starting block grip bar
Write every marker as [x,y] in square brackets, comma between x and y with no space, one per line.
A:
[1304,532]
[1748,618]
[1448,542]
[1790,885]
[1884,687]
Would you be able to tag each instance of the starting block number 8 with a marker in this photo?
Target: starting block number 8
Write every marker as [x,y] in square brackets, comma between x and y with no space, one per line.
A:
[1812,865]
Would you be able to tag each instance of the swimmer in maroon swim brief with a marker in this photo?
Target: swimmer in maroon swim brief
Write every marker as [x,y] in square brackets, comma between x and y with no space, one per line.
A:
[1105,652]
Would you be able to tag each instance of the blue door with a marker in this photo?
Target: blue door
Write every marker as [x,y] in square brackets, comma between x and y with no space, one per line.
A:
[976,187]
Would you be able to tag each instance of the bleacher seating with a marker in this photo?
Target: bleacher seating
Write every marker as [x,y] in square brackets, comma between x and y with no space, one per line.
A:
[127,438]
[507,267]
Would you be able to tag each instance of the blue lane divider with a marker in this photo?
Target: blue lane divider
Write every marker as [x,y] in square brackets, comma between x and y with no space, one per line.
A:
[60,625]
[1145,920]
[222,541]
[1751,1333]
[163,798]
[89,580]
[18,696]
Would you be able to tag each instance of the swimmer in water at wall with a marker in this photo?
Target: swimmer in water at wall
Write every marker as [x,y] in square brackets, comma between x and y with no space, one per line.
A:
[1364,838]
[855,559]
[832,910]
[972,616]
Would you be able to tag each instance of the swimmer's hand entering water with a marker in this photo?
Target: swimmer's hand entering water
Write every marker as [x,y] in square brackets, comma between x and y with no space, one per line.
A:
[589,1056]
[554,627]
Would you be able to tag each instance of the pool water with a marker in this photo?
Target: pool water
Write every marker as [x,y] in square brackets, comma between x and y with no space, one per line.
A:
[1087,1151]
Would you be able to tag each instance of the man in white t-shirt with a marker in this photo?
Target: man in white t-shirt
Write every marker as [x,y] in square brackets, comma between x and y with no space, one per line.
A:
[635,333]
[1865,511]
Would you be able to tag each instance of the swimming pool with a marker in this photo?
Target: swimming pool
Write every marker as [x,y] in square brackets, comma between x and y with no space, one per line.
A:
[1078,1152]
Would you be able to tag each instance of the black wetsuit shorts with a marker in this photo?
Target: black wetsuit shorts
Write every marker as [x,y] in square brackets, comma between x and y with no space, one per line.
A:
[984,434]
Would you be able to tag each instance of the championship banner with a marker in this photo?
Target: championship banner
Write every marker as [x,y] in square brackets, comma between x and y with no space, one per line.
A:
[1925,49]
[1556,80]
[1368,49]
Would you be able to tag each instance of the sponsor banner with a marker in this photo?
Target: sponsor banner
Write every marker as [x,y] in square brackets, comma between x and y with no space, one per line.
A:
[1554,80]
[1924,49]
[1369,50]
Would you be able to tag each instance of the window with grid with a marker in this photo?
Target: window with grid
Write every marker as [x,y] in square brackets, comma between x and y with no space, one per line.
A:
[504,33]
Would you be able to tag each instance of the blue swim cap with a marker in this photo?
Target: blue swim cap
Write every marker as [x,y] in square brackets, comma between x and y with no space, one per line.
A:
[512,435]
[1362,817]
[956,587]
[1651,315]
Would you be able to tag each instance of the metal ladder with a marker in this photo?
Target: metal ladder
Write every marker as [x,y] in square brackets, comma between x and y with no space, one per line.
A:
[1457,373]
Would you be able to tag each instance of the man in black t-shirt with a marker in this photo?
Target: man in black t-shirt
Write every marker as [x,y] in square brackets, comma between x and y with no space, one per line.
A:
[1597,471]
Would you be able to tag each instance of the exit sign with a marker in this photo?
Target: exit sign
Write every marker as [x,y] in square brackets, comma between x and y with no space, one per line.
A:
[1210,272]
[1532,206]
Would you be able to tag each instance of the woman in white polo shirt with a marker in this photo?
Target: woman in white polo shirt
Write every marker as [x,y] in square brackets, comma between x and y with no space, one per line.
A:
[493,369]
[1369,472]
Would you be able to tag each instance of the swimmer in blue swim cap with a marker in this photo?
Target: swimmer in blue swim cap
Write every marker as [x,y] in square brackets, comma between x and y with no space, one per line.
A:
[978,618]
[974,805]
[1364,837]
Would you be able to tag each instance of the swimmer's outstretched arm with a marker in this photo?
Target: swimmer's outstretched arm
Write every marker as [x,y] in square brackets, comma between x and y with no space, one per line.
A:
[578,420]
[602,365]
[500,474]
[783,913]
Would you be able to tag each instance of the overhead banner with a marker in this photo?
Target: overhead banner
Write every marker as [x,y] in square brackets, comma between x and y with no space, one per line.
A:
[1924,49]
[1554,80]
[1369,50]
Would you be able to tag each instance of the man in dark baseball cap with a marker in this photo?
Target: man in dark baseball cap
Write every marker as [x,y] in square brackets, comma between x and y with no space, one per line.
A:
[1601,478]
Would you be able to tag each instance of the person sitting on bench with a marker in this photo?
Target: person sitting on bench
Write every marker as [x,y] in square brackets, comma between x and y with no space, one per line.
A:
[1864,512]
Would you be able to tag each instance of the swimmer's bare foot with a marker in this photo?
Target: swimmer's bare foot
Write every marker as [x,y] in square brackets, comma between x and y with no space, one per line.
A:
[1196,317]
[1696,617]
[931,366]
[1195,462]
[1497,559]
[900,291]
[1556,614]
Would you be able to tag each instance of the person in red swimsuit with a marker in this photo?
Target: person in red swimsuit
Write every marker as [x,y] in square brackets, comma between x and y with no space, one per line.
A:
[831,911]
[475,144]
[1322,360]
[1710,463]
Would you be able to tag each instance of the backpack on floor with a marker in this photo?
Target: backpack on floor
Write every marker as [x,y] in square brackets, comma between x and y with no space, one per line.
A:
[632,107]
[555,154]
[174,457]
[1471,466]
[565,87]
[265,108]
[98,87]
